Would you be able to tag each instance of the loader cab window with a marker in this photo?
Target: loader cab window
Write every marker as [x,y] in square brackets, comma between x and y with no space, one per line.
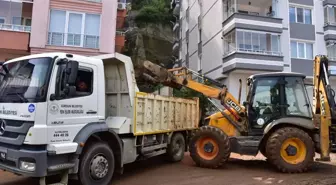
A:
[296,98]
[265,102]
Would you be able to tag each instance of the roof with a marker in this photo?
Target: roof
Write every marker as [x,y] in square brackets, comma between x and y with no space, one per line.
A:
[273,74]
[85,59]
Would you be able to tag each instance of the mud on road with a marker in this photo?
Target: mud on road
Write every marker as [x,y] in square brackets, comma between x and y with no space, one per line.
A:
[240,170]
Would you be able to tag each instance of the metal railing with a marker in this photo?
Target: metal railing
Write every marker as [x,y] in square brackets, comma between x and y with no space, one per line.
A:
[232,10]
[13,27]
[71,39]
[253,51]
[95,1]
[121,33]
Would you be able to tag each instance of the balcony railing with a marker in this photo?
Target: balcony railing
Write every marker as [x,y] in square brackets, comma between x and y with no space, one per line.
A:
[71,39]
[252,51]
[121,33]
[96,1]
[13,27]
[264,11]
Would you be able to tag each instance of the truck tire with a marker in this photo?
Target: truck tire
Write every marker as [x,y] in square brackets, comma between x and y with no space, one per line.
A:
[97,165]
[175,150]
[290,150]
[209,147]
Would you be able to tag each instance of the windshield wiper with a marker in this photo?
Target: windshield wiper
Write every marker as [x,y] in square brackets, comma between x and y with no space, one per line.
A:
[23,99]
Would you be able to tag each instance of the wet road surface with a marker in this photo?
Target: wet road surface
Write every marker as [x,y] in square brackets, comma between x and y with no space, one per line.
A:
[240,170]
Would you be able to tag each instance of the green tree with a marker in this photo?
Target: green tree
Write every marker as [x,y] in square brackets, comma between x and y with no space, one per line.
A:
[152,12]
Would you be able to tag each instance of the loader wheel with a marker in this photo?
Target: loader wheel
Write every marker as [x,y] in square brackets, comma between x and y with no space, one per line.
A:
[290,150]
[209,147]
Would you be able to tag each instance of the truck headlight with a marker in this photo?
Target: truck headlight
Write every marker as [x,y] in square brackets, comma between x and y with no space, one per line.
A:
[27,166]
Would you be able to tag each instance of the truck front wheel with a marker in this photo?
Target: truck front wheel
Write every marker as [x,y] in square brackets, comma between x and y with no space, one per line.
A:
[97,165]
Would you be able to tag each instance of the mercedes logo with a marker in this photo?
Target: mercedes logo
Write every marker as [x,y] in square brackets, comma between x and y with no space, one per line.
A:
[2,127]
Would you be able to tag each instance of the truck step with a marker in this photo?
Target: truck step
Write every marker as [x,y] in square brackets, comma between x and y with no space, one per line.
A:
[64,179]
[152,154]
[61,167]
[155,147]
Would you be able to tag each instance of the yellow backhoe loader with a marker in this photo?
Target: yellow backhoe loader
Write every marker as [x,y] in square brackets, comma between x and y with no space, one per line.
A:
[276,119]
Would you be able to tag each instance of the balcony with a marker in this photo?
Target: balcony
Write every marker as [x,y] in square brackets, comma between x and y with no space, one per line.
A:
[176,7]
[15,25]
[252,51]
[176,47]
[253,15]
[120,22]
[73,40]
[176,26]
[329,22]
[120,41]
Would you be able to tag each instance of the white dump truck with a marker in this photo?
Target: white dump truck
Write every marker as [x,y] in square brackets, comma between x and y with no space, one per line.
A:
[70,114]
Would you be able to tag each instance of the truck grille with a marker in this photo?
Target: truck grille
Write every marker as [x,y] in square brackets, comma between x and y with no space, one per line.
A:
[15,132]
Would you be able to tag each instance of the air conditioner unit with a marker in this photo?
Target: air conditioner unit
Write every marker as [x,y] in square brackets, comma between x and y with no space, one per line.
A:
[121,6]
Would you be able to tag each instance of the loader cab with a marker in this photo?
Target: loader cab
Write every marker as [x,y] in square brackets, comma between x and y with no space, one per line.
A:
[273,96]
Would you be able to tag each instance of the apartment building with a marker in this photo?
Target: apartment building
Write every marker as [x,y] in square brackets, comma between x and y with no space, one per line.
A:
[121,26]
[86,27]
[230,40]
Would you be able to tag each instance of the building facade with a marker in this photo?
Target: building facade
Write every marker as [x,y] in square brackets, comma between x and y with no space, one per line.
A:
[86,27]
[121,26]
[230,40]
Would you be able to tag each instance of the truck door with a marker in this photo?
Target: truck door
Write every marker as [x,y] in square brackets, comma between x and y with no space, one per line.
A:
[69,114]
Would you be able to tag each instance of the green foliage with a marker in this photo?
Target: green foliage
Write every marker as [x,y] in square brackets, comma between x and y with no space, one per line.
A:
[152,12]
[189,93]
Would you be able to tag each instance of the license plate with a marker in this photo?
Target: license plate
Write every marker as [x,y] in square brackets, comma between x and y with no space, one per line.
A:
[2,155]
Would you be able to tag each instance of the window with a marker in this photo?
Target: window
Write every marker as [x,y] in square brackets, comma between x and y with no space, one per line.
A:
[292,14]
[302,50]
[331,52]
[257,42]
[329,14]
[2,20]
[266,101]
[296,98]
[308,16]
[84,81]
[74,29]
[300,15]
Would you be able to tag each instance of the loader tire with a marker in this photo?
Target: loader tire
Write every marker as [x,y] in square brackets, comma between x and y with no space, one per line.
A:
[209,147]
[290,150]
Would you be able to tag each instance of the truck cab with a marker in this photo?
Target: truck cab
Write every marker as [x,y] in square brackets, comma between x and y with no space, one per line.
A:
[70,114]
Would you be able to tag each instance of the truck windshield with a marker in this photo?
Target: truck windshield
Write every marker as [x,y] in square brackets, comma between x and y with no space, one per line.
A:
[26,80]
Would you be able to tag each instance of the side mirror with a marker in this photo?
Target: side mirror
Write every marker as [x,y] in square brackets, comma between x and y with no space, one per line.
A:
[71,72]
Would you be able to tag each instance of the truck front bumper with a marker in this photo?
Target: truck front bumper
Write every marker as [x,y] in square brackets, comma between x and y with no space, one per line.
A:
[10,160]
[45,164]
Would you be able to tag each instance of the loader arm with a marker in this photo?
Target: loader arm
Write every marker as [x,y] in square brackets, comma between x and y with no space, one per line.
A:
[323,104]
[182,77]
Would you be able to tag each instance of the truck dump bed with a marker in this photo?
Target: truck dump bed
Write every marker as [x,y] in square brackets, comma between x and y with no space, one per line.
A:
[158,114]
[143,113]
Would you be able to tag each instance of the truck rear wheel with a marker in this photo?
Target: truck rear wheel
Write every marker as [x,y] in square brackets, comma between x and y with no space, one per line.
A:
[175,150]
[97,165]
[290,150]
[209,147]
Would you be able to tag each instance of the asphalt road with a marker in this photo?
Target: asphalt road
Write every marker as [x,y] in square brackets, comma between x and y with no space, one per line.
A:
[240,170]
